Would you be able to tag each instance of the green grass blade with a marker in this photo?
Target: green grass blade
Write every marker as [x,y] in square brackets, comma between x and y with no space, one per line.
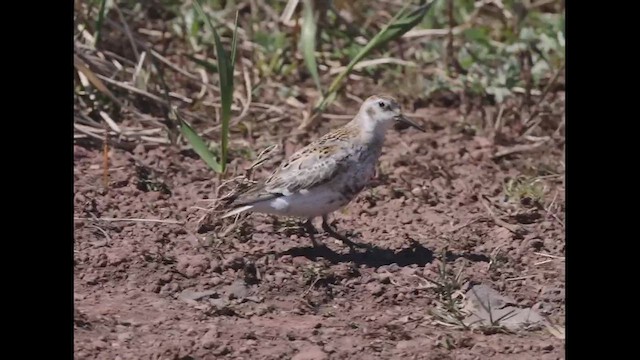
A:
[308,42]
[225,71]
[199,146]
[226,86]
[209,66]
[100,20]
[234,43]
[226,94]
[403,23]
[198,7]
[398,26]
[194,30]
[223,65]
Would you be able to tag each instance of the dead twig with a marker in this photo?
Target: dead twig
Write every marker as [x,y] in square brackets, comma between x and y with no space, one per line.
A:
[104,233]
[543,262]
[554,215]
[550,256]
[112,124]
[459,227]
[520,278]
[546,90]
[133,89]
[485,202]
[105,161]
[517,149]
[162,221]
[94,79]
[315,281]
[368,63]
[450,59]
[127,31]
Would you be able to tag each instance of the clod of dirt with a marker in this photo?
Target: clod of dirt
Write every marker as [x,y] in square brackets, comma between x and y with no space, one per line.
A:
[209,339]
[383,278]
[488,308]
[80,320]
[222,350]
[237,290]
[79,152]
[375,289]
[311,352]
[552,294]
[536,244]
[235,262]
[192,265]
[215,266]
[195,295]
[219,303]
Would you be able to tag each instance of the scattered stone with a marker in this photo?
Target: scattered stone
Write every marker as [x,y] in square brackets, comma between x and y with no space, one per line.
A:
[488,308]
[375,289]
[237,290]
[208,340]
[311,352]
[187,294]
[192,266]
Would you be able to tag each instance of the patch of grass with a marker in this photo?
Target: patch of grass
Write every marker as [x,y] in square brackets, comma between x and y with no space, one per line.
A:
[225,67]
[497,260]
[149,181]
[176,62]
[448,289]
[270,60]
[316,275]
[313,273]
[400,24]
[412,78]
[525,190]
[200,146]
[100,20]
[308,42]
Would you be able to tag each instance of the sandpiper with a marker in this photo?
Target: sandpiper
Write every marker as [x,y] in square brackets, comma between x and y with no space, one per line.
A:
[327,174]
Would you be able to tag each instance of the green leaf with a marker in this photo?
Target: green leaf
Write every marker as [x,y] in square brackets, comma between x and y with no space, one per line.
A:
[398,26]
[500,93]
[209,66]
[225,72]
[225,64]
[308,42]
[465,59]
[100,20]
[478,35]
[234,44]
[402,23]
[199,146]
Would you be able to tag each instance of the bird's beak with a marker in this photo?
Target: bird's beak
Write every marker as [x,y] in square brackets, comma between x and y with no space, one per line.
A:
[406,121]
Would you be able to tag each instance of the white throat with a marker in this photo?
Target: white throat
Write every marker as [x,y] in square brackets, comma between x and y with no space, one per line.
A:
[373,129]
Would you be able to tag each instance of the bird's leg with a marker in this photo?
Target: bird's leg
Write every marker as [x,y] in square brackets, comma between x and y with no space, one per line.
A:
[331,231]
[311,230]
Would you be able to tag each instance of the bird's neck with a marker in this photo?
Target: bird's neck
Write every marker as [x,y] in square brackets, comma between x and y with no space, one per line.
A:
[371,132]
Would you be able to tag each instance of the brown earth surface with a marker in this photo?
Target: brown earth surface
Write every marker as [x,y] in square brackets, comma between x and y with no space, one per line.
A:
[437,215]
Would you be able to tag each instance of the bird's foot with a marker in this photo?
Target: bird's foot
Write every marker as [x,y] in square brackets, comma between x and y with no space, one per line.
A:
[311,231]
[332,232]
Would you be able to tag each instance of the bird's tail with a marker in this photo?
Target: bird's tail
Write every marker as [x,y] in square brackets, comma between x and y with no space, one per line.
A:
[236,211]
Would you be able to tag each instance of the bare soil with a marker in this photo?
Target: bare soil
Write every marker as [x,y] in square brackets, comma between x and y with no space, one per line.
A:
[161,290]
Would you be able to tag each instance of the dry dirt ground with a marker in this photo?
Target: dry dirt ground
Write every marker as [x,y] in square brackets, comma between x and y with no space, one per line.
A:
[436,216]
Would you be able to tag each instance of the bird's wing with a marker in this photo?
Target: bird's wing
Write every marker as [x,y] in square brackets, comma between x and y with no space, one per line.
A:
[311,166]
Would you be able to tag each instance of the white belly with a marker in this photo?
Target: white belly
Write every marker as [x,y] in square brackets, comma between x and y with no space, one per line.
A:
[322,199]
[306,203]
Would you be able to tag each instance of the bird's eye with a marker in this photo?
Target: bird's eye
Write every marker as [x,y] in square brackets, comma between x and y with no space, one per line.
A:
[381,104]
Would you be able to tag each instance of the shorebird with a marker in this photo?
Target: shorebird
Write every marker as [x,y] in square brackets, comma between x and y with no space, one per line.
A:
[327,174]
